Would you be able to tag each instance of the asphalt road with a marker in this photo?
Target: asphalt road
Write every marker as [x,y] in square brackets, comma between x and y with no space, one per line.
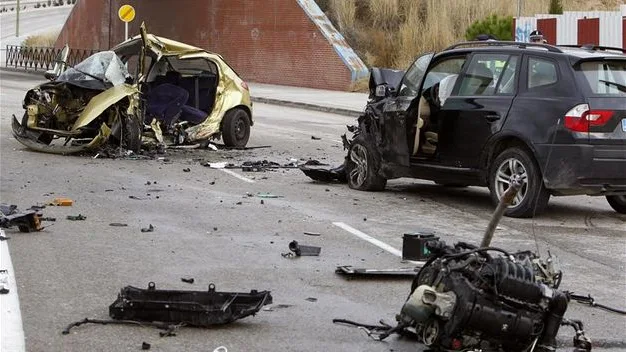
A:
[73,269]
[32,21]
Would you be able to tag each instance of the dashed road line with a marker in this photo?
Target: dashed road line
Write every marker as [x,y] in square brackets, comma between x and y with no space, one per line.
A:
[241,177]
[369,239]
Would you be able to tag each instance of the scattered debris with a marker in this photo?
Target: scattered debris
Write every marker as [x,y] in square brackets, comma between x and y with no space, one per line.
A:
[316,138]
[150,228]
[350,271]
[145,346]
[61,202]
[312,233]
[78,217]
[239,203]
[49,219]
[196,308]
[137,198]
[268,195]
[4,238]
[4,281]
[26,221]
[259,166]
[118,224]
[302,251]
[186,169]
[189,280]
[215,229]
[311,299]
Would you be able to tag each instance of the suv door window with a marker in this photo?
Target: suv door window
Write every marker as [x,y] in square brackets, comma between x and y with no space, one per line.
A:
[413,77]
[541,73]
[489,74]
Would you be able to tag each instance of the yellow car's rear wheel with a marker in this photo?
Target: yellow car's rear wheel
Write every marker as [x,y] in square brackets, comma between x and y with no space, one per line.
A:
[236,128]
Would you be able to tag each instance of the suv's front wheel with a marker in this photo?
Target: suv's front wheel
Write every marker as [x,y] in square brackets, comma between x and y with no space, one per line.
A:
[363,165]
[618,203]
[533,196]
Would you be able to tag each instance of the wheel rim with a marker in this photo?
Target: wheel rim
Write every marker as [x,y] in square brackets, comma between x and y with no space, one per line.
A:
[358,156]
[240,129]
[508,168]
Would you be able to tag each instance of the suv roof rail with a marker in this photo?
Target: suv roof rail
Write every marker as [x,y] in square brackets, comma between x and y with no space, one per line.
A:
[521,45]
[596,47]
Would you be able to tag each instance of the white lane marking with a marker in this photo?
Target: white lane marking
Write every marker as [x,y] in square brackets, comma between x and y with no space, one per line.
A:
[11,331]
[241,177]
[369,239]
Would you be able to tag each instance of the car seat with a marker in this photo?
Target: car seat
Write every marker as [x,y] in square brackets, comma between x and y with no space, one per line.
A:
[165,103]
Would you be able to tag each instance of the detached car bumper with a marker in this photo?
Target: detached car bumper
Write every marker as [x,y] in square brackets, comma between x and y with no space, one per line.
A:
[584,169]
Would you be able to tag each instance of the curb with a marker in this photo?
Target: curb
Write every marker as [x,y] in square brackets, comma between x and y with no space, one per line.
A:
[22,70]
[307,106]
[272,101]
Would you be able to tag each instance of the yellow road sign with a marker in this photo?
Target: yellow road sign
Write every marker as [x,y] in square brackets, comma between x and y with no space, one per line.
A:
[126,13]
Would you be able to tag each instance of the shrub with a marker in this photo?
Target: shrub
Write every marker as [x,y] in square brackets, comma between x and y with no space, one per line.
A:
[498,26]
[41,40]
[12,8]
[556,7]
[43,5]
[49,3]
[61,3]
[37,5]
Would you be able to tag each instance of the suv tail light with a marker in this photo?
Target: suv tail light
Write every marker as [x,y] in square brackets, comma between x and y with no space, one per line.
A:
[581,118]
[244,85]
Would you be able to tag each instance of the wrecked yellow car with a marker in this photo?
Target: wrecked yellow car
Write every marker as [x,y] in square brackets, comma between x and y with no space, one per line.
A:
[147,90]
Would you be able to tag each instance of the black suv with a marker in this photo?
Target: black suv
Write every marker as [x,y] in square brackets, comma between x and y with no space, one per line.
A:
[479,112]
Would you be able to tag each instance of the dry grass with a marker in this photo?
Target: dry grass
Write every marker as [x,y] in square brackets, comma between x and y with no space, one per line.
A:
[390,33]
[344,13]
[47,39]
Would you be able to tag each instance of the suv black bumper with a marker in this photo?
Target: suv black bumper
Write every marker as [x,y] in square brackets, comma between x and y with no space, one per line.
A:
[583,168]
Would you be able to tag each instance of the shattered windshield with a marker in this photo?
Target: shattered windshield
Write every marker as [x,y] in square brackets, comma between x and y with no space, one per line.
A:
[103,68]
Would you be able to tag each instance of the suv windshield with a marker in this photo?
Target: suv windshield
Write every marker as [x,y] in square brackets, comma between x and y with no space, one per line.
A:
[605,77]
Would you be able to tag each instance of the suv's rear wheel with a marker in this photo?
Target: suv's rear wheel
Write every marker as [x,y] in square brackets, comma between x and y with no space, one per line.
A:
[363,166]
[618,203]
[533,197]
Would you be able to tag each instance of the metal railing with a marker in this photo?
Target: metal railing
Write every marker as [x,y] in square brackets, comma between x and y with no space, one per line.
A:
[43,58]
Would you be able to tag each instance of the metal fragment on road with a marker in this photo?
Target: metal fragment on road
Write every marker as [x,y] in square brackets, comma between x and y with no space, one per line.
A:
[351,271]
[118,224]
[298,250]
[78,217]
[194,308]
[148,229]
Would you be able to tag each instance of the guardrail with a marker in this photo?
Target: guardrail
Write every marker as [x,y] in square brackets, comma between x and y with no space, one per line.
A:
[43,58]
[7,5]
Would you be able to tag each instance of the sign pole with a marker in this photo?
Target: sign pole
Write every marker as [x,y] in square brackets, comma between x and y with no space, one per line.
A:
[17,19]
[126,14]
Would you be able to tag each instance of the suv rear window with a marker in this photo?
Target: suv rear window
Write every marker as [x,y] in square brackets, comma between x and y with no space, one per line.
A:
[605,77]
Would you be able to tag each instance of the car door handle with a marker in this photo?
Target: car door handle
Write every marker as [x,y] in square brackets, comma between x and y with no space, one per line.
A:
[492,117]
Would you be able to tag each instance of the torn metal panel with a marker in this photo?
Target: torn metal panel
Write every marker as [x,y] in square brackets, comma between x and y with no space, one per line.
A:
[26,221]
[197,308]
[323,173]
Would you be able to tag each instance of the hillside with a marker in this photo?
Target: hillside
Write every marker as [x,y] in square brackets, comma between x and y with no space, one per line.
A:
[390,33]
